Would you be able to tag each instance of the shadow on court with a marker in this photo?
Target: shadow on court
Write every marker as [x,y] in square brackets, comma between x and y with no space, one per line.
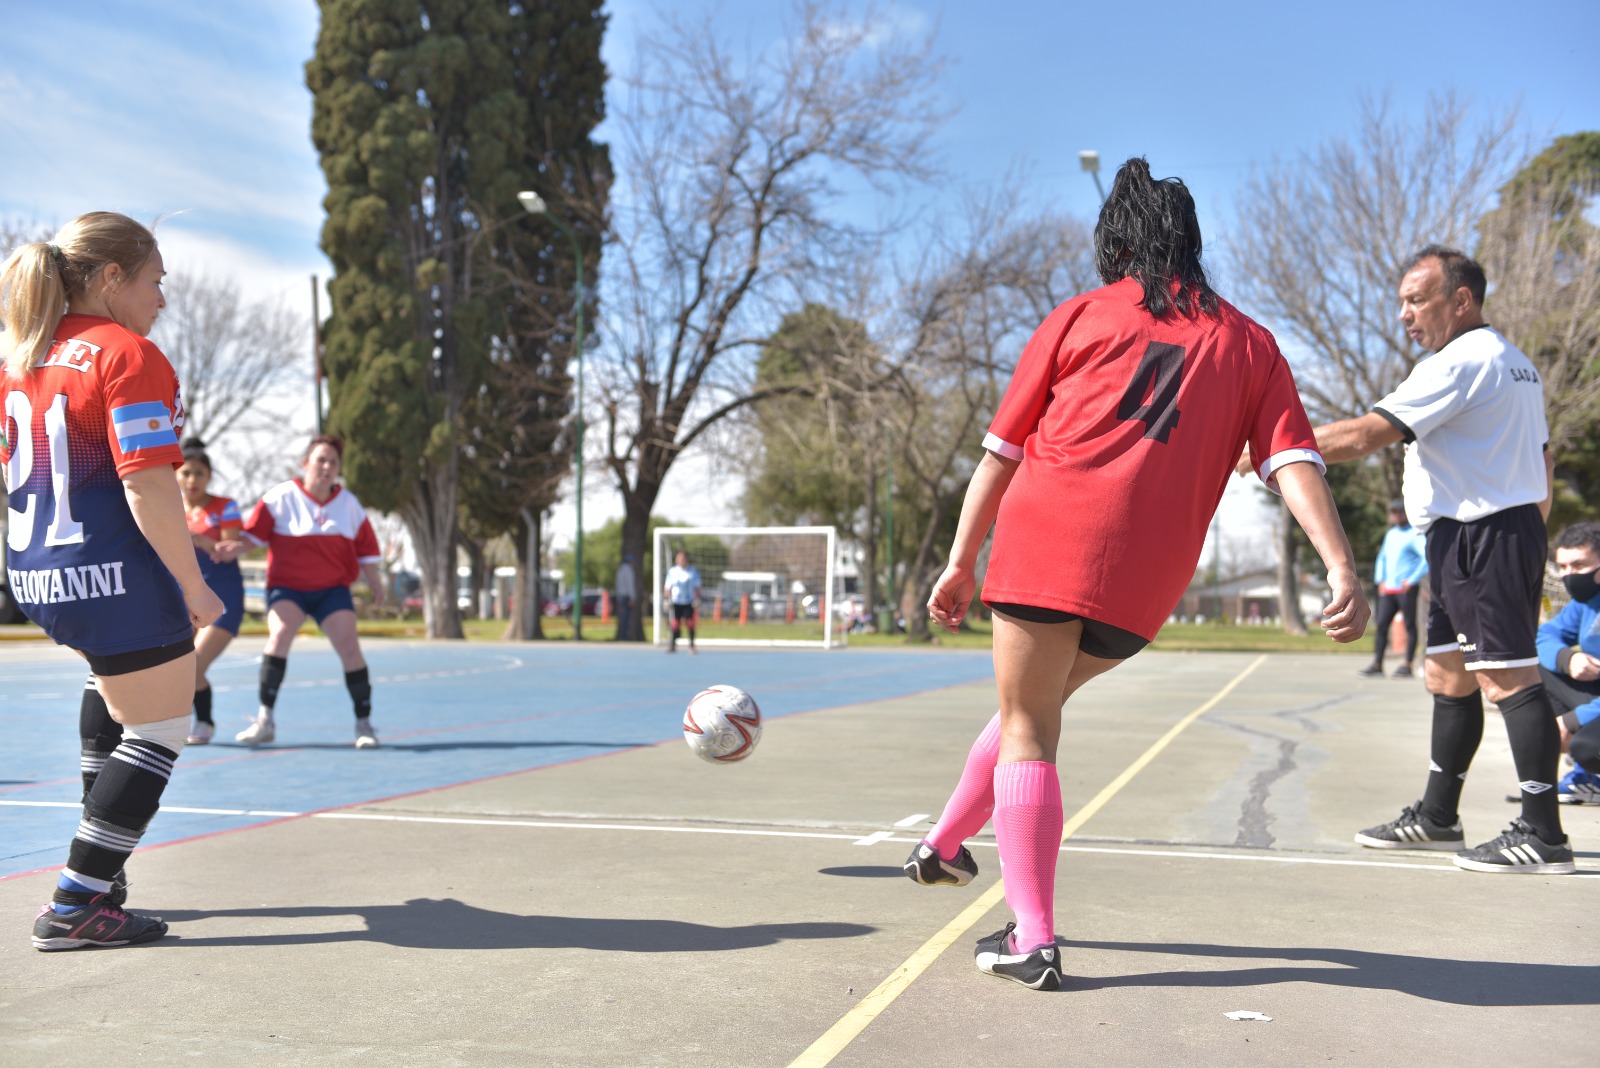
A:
[1482,983]
[448,924]
[864,871]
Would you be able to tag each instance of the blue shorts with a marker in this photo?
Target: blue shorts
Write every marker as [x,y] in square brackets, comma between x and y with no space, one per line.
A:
[227,582]
[318,604]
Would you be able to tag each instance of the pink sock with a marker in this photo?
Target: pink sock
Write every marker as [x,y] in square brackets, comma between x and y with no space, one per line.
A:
[969,807]
[1027,826]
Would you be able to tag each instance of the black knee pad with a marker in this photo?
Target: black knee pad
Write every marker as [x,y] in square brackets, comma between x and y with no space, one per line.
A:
[272,672]
[128,791]
[359,683]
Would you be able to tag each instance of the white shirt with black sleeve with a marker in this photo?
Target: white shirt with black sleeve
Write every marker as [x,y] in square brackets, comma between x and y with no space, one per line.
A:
[1473,419]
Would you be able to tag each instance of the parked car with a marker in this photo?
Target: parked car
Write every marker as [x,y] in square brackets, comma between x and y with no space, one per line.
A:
[562,607]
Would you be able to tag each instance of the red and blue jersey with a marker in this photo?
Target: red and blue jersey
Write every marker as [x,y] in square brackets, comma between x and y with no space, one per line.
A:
[102,403]
[209,521]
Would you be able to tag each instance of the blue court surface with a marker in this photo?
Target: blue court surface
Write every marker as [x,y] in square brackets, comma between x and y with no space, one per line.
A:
[446,714]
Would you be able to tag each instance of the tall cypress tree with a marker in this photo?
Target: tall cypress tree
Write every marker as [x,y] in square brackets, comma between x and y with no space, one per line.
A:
[429,116]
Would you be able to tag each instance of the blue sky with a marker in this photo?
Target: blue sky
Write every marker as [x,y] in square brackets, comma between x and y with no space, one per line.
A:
[199,107]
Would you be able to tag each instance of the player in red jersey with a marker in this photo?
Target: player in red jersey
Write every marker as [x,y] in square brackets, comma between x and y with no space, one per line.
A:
[1101,471]
[214,526]
[318,541]
[98,554]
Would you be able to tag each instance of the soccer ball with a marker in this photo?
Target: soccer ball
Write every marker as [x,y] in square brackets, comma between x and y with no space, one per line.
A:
[722,724]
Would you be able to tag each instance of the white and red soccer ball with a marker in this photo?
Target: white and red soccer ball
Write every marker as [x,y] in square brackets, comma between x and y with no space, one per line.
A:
[722,724]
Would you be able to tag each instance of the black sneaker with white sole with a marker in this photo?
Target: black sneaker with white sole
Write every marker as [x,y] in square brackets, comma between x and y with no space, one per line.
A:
[1521,851]
[1040,970]
[927,867]
[1412,830]
[95,924]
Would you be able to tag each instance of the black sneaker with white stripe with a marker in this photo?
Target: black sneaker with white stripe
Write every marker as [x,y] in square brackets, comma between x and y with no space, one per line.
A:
[1040,970]
[1519,850]
[1412,830]
[927,867]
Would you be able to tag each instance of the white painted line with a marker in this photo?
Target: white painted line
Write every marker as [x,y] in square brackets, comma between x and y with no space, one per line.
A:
[871,839]
[912,821]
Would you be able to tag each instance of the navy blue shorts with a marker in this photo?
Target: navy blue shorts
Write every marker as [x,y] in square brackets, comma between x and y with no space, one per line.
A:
[227,582]
[318,604]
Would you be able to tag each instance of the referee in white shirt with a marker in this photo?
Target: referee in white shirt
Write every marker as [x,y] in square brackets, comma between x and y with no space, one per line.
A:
[1477,483]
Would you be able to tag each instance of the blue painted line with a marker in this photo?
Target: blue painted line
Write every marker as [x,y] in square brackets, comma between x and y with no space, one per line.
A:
[446,714]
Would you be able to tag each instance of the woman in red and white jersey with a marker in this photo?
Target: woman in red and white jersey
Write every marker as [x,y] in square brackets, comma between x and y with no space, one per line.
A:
[214,524]
[318,542]
[98,552]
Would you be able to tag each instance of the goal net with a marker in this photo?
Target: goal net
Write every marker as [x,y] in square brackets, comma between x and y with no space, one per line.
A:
[759,585]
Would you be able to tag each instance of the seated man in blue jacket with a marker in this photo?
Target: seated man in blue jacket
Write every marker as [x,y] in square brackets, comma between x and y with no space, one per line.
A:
[1569,661]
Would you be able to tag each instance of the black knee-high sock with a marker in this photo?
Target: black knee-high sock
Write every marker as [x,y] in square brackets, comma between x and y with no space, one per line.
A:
[202,705]
[360,688]
[124,799]
[1457,730]
[1536,751]
[272,671]
[98,733]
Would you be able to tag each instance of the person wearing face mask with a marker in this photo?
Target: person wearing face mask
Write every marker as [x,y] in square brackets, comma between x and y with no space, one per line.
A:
[1569,661]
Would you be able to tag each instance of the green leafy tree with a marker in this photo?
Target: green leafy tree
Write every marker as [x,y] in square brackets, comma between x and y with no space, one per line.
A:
[822,447]
[427,124]
[1542,256]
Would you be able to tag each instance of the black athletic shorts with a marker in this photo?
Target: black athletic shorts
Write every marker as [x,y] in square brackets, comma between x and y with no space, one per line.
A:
[139,659]
[1486,578]
[683,611]
[1099,639]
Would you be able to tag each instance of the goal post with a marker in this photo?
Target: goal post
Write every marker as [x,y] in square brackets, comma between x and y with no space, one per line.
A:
[771,586]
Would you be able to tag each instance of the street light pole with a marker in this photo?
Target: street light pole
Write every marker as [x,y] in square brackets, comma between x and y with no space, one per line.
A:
[534,204]
[1089,160]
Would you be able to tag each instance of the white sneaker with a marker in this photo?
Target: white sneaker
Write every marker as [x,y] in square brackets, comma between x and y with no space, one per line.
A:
[260,732]
[201,735]
[366,737]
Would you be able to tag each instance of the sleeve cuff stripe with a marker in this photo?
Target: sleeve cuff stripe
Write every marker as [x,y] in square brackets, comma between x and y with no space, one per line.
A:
[1283,459]
[1002,447]
[1395,422]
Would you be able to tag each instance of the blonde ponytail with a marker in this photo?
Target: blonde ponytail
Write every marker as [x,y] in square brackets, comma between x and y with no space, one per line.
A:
[35,299]
[40,278]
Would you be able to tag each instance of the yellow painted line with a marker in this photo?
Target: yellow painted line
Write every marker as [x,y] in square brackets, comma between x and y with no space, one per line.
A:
[841,1034]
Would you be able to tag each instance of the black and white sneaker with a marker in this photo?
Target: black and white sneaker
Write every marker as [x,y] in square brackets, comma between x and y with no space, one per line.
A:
[927,867]
[1412,830]
[1040,970]
[94,924]
[1521,851]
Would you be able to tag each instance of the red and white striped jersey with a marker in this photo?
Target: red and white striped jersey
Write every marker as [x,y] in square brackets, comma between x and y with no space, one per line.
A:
[312,544]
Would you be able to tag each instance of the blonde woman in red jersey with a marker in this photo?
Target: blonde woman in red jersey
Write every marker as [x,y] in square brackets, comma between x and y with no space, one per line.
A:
[97,549]
[318,541]
[1100,473]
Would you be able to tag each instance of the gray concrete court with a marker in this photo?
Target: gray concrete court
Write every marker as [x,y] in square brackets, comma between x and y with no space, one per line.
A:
[643,909]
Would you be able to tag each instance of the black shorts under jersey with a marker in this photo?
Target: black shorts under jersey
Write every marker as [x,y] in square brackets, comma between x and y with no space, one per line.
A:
[1486,578]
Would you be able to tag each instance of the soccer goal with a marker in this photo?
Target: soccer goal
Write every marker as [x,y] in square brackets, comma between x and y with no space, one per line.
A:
[776,586]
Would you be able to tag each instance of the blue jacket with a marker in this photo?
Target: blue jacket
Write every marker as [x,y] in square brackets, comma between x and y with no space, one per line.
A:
[1403,559]
[1577,624]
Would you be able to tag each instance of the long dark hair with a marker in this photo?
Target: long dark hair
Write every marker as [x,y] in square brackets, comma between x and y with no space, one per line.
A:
[1148,231]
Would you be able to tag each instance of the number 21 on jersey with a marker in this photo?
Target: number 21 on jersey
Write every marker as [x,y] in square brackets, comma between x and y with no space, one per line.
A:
[63,529]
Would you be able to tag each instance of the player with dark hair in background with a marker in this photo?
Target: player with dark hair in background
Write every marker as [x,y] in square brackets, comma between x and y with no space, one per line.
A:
[1101,471]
